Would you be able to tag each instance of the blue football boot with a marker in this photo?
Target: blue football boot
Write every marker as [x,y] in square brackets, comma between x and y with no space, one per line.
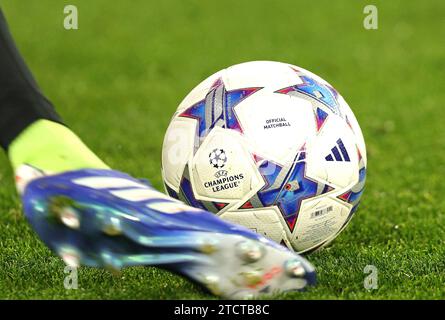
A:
[105,218]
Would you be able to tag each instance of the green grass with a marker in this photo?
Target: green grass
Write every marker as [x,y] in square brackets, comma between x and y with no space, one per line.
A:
[118,79]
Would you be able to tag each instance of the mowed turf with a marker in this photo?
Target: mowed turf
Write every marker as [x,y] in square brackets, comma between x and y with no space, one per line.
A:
[118,79]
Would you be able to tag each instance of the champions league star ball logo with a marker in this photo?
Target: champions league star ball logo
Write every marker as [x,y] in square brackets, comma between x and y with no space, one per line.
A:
[223,181]
[218,158]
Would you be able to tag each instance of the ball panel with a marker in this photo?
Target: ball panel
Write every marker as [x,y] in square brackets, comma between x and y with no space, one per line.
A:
[352,122]
[177,149]
[267,74]
[276,125]
[319,219]
[264,221]
[332,154]
[222,168]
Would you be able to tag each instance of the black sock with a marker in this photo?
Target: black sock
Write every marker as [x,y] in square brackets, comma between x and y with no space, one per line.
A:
[21,101]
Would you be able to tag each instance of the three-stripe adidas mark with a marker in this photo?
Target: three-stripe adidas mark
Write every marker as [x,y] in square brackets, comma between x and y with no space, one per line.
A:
[335,153]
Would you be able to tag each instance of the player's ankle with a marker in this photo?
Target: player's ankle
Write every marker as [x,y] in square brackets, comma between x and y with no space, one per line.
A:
[53,148]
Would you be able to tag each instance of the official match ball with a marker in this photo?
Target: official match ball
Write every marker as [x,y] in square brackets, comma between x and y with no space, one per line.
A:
[270,146]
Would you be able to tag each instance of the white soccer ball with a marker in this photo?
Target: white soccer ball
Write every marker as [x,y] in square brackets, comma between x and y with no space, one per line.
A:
[270,146]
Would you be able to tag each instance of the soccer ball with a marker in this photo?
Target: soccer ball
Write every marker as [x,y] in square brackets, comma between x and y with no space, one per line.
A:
[270,146]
